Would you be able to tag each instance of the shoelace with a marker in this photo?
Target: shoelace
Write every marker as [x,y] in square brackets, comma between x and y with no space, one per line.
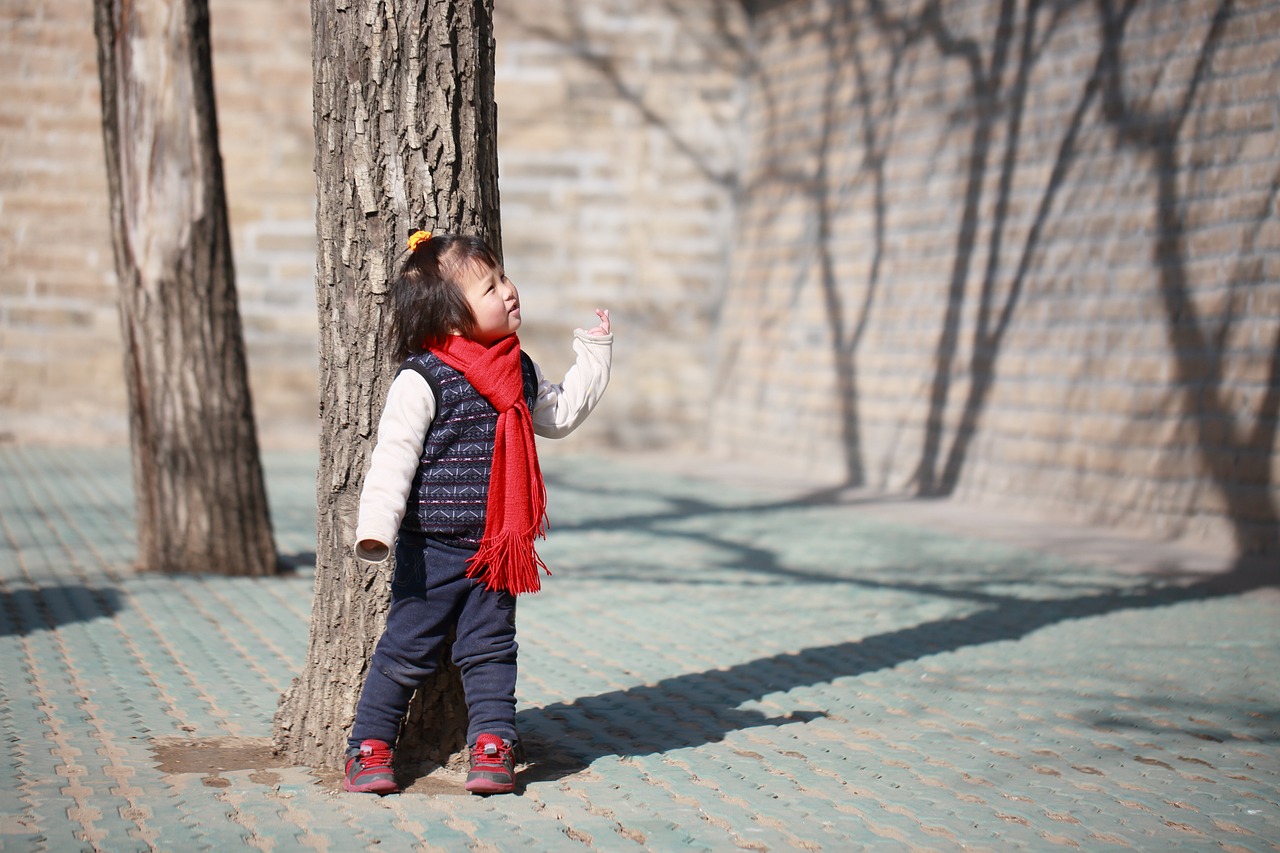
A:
[375,757]
[489,753]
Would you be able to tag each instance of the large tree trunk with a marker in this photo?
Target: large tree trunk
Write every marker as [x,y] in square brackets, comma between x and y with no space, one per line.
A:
[405,128]
[201,500]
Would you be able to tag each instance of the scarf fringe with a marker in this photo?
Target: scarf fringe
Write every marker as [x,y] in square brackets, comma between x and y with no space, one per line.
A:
[509,562]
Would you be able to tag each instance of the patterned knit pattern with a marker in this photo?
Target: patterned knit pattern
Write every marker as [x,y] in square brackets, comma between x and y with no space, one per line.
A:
[449,497]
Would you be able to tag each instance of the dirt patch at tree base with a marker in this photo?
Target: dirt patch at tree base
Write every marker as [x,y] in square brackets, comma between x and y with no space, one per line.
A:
[211,757]
[214,755]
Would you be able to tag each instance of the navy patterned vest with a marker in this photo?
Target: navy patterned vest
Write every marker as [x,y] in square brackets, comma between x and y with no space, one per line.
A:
[450,492]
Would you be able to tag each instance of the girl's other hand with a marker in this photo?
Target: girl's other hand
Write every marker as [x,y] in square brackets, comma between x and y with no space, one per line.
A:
[603,328]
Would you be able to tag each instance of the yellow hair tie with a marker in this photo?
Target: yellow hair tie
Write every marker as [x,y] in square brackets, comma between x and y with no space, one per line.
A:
[417,238]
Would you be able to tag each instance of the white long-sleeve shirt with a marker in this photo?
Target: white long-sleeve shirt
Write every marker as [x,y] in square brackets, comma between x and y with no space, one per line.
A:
[558,410]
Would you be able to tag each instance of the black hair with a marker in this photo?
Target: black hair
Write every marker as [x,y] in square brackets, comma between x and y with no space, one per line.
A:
[427,305]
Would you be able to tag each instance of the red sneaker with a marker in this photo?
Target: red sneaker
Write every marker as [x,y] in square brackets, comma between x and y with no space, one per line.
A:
[369,769]
[493,766]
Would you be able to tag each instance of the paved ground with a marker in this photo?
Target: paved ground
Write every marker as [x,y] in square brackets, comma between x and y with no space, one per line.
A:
[718,664]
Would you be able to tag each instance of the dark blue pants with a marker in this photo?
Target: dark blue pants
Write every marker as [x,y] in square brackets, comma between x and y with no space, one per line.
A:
[431,594]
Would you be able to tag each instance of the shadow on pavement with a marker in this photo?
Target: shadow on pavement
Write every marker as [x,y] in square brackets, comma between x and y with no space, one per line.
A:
[699,708]
[23,611]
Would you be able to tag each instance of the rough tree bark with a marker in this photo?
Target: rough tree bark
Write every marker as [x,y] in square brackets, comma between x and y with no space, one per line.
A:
[405,128]
[201,500]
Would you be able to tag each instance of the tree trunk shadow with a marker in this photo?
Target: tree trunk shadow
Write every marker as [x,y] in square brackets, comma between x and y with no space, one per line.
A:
[700,708]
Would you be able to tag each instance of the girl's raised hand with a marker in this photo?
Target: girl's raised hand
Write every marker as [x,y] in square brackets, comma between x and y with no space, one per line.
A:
[603,328]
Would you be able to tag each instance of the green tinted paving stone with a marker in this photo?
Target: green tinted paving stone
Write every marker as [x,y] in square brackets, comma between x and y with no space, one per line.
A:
[696,676]
[213,831]
[488,823]
[575,819]
[781,808]
[329,820]
[188,700]
[229,697]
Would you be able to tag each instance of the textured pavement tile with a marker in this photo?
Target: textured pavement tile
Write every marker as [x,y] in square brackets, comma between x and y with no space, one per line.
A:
[710,668]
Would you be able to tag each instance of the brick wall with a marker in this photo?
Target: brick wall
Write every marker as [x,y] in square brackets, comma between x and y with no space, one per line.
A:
[60,370]
[61,376]
[1030,257]
[618,156]
[618,150]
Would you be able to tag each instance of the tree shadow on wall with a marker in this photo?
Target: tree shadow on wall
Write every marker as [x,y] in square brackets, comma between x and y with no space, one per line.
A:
[719,44]
[869,55]
[1234,454]
[1197,344]
[858,80]
[869,52]
[827,191]
[991,104]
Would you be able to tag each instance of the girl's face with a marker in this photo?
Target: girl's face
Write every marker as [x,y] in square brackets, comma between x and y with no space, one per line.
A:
[494,302]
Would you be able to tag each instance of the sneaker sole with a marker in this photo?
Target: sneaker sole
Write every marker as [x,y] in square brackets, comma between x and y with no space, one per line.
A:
[488,786]
[378,786]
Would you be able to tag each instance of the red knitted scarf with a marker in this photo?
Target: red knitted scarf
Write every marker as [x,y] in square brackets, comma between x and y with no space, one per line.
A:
[517,506]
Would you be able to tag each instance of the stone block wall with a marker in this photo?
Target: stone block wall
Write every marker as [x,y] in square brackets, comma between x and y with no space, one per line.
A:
[1015,251]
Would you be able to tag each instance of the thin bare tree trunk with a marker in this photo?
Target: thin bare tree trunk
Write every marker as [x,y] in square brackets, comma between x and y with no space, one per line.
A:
[201,500]
[405,128]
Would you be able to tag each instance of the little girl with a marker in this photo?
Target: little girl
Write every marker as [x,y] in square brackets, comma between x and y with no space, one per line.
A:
[454,485]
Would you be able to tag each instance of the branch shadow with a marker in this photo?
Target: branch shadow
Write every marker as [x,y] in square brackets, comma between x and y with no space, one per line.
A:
[1197,344]
[1198,348]
[579,42]
[856,106]
[682,507]
[939,473]
[857,84]
[702,708]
